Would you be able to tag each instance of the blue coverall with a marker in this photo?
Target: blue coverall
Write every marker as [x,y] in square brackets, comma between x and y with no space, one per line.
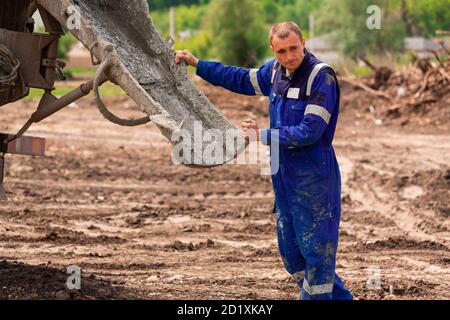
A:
[304,108]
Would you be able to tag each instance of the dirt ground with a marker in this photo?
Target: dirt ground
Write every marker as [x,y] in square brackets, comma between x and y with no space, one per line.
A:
[109,200]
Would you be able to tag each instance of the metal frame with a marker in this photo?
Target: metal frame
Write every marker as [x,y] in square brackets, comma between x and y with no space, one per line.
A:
[2,168]
[37,54]
[30,146]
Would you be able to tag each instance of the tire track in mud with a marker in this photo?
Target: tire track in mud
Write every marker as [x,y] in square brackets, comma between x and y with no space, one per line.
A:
[158,189]
[141,227]
[384,224]
[373,183]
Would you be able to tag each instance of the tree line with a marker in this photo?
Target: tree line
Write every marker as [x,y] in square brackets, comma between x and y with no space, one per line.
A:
[236,30]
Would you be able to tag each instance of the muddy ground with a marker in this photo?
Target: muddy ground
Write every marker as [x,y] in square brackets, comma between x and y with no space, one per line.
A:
[109,200]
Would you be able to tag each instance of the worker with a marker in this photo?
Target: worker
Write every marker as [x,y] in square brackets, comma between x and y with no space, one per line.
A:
[304,106]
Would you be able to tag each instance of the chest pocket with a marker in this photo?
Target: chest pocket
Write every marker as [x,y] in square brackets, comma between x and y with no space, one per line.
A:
[295,111]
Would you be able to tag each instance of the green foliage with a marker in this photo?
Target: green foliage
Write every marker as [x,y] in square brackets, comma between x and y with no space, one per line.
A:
[65,43]
[362,71]
[429,15]
[186,18]
[81,72]
[351,31]
[106,90]
[299,12]
[239,34]
[164,4]
[161,20]
[200,45]
[271,10]
[236,31]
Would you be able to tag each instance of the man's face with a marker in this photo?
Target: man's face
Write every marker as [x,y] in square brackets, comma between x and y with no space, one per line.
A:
[289,51]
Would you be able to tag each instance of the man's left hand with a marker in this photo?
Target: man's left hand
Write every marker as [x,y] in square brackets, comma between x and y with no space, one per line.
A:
[250,129]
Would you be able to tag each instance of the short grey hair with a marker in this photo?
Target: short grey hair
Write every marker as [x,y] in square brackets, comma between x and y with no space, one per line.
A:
[284,29]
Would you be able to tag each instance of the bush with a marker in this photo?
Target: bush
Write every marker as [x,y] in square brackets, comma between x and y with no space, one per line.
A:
[200,45]
[186,18]
[65,44]
[239,33]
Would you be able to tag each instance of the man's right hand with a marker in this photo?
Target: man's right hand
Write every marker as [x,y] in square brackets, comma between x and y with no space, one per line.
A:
[187,57]
[250,129]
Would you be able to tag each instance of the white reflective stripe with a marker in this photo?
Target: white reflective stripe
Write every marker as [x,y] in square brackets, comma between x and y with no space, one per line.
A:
[318,111]
[298,275]
[254,81]
[274,71]
[313,75]
[318,289]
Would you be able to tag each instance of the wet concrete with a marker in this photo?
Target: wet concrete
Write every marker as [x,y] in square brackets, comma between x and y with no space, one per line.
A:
[143,64]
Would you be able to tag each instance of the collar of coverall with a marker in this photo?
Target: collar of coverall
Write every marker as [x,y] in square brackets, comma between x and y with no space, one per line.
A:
[285,73]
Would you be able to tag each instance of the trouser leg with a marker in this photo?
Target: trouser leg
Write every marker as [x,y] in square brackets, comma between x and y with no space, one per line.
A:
[340,292]
[288,247]
[318,246]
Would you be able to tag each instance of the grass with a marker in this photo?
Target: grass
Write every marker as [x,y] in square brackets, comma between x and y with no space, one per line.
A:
[394,61]
[106,90]
[361,71]
[81,72]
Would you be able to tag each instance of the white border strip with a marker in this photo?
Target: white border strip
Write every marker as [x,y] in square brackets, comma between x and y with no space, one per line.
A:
[318,111]
[318,289]
[312,76]
[254,81]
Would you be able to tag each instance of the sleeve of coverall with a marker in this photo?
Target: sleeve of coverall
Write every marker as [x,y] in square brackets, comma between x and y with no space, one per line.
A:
[318,113]
[249,82]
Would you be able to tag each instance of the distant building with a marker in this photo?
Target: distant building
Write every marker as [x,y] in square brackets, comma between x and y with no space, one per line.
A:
[421,46]
[443,41]
[323,47]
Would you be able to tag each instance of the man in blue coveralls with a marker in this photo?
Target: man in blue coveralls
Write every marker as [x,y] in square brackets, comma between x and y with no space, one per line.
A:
[304,106]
